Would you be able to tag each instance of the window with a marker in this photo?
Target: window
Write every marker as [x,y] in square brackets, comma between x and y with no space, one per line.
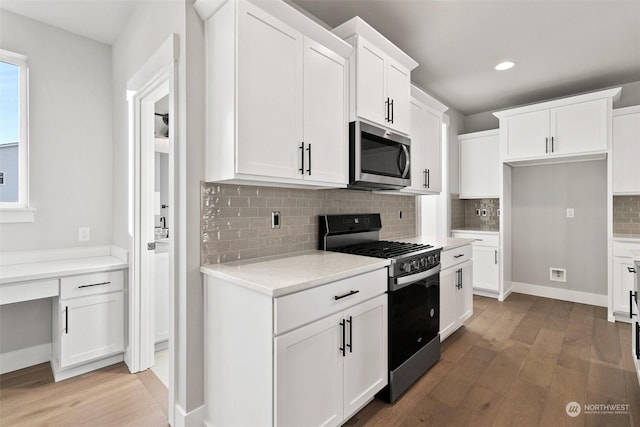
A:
[14,138]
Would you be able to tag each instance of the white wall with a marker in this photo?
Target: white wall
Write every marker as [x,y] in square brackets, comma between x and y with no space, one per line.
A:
[456,127]
[148,27]
[70,136]
[70,160]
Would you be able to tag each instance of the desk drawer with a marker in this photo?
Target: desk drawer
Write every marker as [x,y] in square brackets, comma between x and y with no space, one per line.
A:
[307,306]
[91,284]
[27,291]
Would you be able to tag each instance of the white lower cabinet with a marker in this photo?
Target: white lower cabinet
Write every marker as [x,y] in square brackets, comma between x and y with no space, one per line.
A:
[624,276]
[456,289]
[486,262]
[310,358]
[635,326]
[88,322]
[319,384]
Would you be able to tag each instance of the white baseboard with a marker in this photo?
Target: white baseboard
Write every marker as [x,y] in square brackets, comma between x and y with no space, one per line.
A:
[194,418]
[60,375]
[24,357]
[560,294]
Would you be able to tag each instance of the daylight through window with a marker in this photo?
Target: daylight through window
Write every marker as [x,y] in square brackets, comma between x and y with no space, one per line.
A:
[13,130]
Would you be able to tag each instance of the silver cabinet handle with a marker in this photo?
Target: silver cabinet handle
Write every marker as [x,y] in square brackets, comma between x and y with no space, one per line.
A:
[496,256]
[546,145]
[458,256]
[631,269]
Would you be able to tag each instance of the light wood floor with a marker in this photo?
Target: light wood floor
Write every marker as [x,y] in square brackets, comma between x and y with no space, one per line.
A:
[107,397]
[518,363]
[514,363]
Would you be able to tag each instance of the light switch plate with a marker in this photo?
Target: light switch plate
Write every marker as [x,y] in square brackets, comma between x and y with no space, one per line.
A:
[571,213]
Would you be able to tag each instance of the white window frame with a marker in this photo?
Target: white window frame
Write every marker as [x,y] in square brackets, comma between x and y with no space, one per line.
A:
[20,211]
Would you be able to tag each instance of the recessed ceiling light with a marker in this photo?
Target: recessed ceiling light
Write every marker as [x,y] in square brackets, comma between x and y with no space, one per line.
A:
[504,65]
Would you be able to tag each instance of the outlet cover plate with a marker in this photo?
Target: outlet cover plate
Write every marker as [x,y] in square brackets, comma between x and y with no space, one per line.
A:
[84,234]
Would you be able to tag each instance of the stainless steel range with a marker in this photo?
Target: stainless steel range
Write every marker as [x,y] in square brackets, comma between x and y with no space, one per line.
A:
[413,292]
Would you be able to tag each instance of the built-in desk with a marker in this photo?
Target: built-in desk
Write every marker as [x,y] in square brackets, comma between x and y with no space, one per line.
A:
[86,287]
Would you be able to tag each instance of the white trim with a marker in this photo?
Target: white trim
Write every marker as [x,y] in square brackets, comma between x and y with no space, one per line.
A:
[194,418]
[16,215]
[485,293]
[607,93]
[24,357]
[626,110]
[84,368]
[560,294]
[23,148]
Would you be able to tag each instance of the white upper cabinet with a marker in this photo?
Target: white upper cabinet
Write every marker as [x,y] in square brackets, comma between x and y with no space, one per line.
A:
[276,99]
[269,95]
[480,165]
[569,128]
[426,142]
[380,77]
[626,150]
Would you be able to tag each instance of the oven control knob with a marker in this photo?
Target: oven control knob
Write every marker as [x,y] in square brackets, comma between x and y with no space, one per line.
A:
[430,259]
[415,264]
[406,267]
[423,262]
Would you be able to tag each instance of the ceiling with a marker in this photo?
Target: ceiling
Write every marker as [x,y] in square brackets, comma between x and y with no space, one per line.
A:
[560,47]
[100,20]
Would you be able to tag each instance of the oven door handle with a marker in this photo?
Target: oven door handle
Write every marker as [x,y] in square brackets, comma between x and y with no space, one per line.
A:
[403,281]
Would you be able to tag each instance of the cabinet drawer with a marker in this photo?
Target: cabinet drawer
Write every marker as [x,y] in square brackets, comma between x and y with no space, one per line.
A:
[303,307]
[455,256]
[625,249]
[91,284]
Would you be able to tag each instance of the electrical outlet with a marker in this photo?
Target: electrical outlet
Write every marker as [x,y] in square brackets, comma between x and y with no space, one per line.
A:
[570,213]
[484,212]
[477,212]
[275,219]
[84,234]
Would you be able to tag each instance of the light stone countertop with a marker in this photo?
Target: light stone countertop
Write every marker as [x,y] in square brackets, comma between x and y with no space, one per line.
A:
[445,243]
[64,267]
[285,274]
[475,231]
[626,238]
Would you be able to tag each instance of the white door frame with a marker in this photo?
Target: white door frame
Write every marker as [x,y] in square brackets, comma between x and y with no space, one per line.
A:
[157,77]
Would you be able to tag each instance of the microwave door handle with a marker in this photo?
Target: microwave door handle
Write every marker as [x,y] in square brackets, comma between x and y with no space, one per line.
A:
[405,171]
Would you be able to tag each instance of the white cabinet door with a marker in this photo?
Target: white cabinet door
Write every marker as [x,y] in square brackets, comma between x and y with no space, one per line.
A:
[433,152]
[418,152]
[527,135]
[90,327]
[399,94]
[325,114]
[371,83]
[626,152]
[485,268]
[269,95]
[623,281]
[479,166]
[365,364]
[466,291]
[579,128]
[448,310]
[309,375]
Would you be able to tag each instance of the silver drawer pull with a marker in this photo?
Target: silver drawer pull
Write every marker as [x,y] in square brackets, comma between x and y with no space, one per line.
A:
[95,284]
[458,256]
[337,297]
[478,240]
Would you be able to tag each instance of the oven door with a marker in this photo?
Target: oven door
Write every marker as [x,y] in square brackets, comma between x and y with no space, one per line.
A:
[414,314]
[378,158]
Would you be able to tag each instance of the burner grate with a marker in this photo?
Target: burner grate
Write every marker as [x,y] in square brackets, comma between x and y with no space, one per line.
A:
[383,249]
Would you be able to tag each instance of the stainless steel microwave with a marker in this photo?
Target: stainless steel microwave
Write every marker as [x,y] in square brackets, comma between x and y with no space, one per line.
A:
[378,158]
